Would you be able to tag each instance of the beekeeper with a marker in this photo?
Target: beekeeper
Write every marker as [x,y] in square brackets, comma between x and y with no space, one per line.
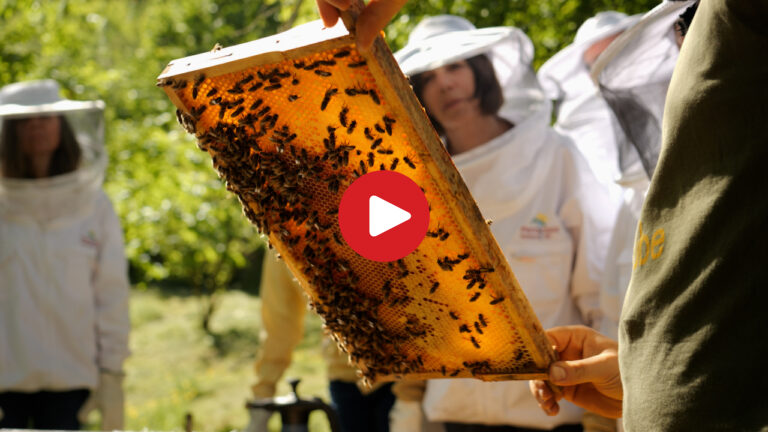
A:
[634,73]
[480,92]
[64,296]
[581,112]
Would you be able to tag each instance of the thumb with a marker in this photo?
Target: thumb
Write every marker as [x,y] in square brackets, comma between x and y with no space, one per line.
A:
[373,19]
[596,369]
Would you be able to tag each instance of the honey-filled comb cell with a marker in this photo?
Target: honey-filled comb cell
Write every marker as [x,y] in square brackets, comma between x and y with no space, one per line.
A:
[290,121]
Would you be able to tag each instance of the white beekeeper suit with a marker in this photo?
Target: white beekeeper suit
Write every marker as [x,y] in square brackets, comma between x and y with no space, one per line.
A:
[64,289]
[533,184]
[634,73]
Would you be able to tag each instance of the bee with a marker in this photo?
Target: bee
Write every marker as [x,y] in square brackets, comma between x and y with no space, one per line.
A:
[295,80]
[374,96]
[378,128]
[410,164]
[237,112]
[292,97]
[341,54]
[363,169]
[236,90]
[263,111]
[444,236]
[194,92]
[463,256]
[453,315]
[497,300]
[370,158]
[368,135]
[388,122]
[464,329]
[222,110]
[477,328]
[481,318]
[434,288]
[337,239]
[236,102]
[180,84]
[475,296]
[273,87]
[474,342]
[322,73]
[351,126]
[456,372]
[244,81]
[299,65]
[394,164]
[255,87]
[343,115]
[327,98]
[442,369]
[327,62]
[211,92]
[519,355]
[356,64]
[382,167]
[383,150]
[376,143]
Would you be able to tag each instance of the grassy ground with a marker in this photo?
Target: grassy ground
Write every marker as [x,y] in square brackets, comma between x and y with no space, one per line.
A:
[176,368]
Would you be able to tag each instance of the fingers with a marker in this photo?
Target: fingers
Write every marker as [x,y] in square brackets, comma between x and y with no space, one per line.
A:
[590,398]
[545,397]
[373,19]
[328,13]
[601,368]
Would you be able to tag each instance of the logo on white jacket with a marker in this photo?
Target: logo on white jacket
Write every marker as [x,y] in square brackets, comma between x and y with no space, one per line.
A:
[537,229]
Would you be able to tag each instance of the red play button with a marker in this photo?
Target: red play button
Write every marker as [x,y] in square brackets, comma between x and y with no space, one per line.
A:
[383,216]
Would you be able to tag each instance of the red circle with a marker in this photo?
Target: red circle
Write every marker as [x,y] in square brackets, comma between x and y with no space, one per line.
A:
[394,189]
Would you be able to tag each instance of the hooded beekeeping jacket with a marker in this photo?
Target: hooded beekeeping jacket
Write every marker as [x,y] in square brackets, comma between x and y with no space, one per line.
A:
[549,218]
[63,279]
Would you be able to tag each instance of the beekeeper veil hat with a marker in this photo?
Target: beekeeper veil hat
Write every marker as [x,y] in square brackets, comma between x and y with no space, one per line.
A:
[71,192]
[443,39]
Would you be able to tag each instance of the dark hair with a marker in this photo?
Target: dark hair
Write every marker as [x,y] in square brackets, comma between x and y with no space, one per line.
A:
[487,87]
[14,164]
[683,22]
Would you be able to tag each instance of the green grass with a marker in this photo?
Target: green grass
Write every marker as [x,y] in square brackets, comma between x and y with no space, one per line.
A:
[175,368]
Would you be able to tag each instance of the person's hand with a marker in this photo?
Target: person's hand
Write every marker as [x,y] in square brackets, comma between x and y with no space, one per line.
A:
[259,419]
[588,372]
[108,398]
[375,16]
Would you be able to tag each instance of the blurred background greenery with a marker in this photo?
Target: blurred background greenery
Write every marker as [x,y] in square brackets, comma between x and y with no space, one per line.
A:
[191,252]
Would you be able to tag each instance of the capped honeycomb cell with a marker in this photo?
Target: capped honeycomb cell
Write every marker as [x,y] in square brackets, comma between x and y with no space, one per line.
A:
[290,121]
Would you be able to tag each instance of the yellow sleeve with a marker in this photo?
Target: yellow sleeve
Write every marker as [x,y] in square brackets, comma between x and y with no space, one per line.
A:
[283,306]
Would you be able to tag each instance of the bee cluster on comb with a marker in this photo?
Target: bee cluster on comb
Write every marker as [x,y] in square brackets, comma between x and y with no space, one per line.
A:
[289,126]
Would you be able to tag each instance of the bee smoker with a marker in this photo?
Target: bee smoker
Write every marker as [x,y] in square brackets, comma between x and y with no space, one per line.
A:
[294,411]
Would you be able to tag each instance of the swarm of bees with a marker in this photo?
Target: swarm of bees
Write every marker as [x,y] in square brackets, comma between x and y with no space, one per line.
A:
[288,138]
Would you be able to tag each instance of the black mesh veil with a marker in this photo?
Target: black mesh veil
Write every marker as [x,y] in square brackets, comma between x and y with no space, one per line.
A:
[633,75]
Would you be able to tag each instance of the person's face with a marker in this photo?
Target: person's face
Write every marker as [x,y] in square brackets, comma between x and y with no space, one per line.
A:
[597,48]
[39,136]
[449,94]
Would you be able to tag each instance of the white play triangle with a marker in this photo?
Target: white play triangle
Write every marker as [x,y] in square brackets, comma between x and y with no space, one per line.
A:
[383,216]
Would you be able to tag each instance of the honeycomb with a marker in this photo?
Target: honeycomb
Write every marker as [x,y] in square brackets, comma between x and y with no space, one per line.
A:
[290,122]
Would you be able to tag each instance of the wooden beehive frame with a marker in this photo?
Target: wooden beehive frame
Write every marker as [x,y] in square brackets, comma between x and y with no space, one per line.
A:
[394,88]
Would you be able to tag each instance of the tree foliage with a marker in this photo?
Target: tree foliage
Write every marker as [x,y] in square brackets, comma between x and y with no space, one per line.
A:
[179,221]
